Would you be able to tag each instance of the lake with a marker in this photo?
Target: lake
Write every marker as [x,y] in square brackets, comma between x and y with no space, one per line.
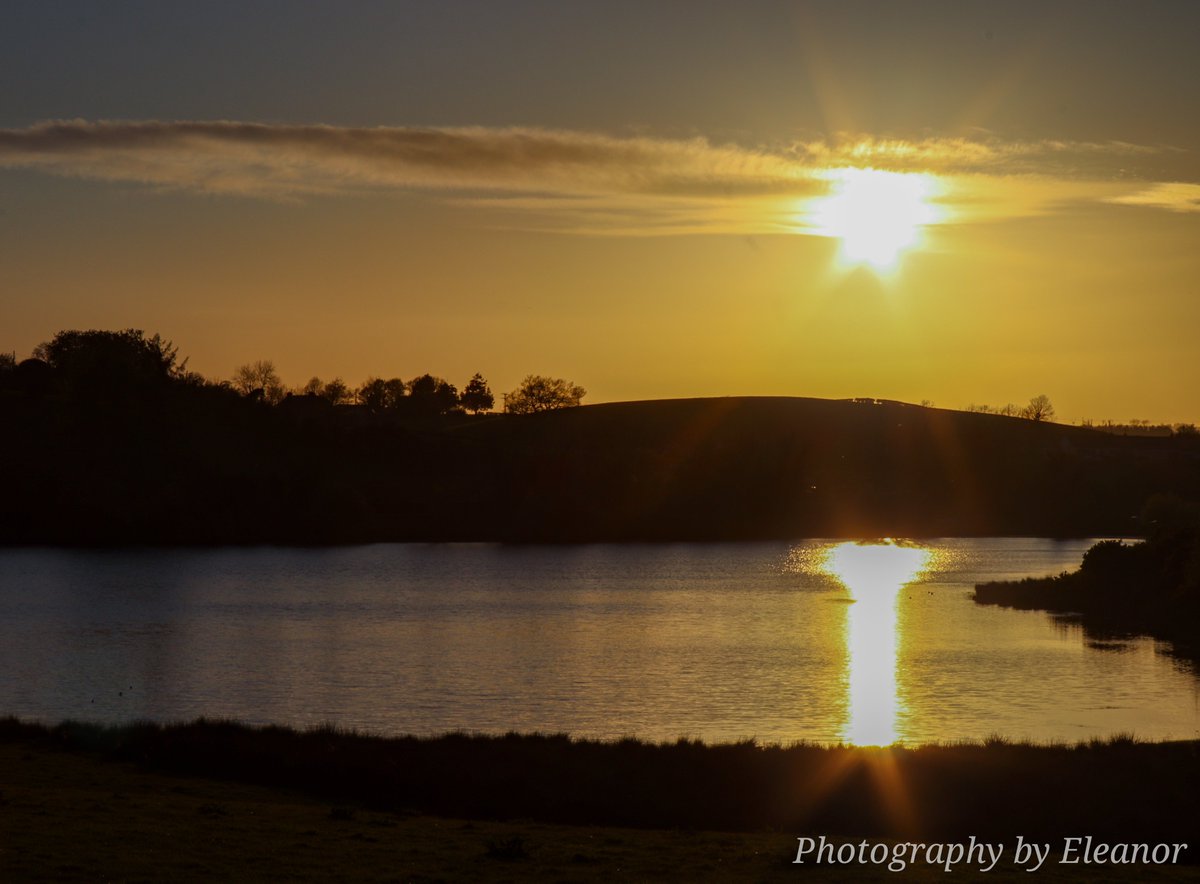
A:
[814,640]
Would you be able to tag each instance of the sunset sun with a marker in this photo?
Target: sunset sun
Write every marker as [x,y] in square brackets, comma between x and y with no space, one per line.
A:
[877,215]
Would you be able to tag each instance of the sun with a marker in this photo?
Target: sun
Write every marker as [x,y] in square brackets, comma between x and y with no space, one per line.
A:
[877,215]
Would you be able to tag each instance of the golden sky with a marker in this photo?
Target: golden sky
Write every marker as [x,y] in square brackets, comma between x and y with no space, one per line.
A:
[919,201]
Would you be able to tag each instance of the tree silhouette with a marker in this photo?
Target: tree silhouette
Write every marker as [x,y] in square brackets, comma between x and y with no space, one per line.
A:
[378,395]
[100,365]
[538,393]
[477,396]
[432,395]
[253,377]
[1039,409]
[335,392]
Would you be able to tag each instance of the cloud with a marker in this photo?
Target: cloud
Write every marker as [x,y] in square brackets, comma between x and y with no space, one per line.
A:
[1175,196]
[583,182]
[274,160]
[989,155]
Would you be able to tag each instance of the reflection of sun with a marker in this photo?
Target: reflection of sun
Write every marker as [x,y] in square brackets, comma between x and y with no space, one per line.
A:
[869,569]
[874,574]
[877,215]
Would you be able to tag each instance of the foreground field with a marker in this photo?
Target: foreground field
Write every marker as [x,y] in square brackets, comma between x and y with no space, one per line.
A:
[66,816]
[222,801]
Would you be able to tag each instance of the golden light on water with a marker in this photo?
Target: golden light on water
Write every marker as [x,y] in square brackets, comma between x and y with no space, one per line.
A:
[874,574]
[876,215]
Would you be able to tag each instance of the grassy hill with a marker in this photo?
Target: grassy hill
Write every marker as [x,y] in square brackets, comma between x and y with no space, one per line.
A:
[750,467]
[198,466]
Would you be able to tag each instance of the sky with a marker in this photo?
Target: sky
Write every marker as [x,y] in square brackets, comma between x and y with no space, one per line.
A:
[957,202]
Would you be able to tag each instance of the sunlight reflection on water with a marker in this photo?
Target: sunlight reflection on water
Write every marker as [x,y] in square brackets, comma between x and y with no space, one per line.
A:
[874,574]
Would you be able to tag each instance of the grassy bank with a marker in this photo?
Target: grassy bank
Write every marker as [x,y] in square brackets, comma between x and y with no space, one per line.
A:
[67,816]
[72,816]
[1117,790]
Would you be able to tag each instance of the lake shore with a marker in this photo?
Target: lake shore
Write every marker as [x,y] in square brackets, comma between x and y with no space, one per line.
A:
[527,790]
[1122,590]
[1106,624]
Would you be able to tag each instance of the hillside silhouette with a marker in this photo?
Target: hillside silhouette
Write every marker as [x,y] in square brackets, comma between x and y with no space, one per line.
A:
[753,467]
[143,452]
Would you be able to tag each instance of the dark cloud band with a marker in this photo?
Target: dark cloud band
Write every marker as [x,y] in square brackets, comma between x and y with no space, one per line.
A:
[639,174]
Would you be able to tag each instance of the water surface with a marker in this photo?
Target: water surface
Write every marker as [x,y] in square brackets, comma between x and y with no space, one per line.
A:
[720,641]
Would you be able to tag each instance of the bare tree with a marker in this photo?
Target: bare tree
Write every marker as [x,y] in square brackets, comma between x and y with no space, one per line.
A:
[253,377]
[1038,409]
[312,388]
[538,393]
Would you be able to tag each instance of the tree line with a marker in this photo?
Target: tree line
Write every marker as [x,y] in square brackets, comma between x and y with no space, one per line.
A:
[107,362]
[426,394]
[1039,408]
[113,439]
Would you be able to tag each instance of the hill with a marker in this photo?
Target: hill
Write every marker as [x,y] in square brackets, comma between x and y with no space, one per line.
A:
[750,467]
[196,464]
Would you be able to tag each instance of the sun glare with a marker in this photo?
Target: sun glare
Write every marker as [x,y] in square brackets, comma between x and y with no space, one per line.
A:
[877,215]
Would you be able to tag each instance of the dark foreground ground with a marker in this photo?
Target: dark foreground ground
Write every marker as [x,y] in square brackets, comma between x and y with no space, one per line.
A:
[72,817]
[70,811]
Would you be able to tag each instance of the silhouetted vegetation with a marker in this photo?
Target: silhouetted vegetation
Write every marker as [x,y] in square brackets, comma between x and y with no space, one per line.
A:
[380,397]
[429,395]
[1039,408]
[1139,427]
[538,393]
[477,396]
[1116,790]
[99,366]
[1122,589]
[259,379]
[110,440]
[334,392]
